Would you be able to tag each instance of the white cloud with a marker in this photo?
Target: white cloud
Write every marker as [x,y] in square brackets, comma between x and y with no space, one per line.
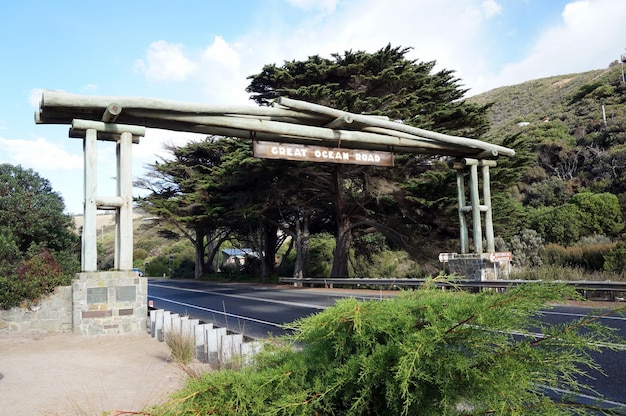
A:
[221,73]
[590,36]
[34,98]
[491,8]
[38,154]
[165,62]
[371,24]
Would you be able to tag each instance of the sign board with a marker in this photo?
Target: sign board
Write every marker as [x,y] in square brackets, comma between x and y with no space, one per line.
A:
[445,257]
[306,153]
[500,257]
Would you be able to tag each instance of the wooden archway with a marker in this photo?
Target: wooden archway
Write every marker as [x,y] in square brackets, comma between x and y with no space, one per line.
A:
[124,120]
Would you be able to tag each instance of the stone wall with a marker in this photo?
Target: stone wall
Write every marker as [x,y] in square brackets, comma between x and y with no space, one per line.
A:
[95,303]
[109,302]
[477,266]
[50,314]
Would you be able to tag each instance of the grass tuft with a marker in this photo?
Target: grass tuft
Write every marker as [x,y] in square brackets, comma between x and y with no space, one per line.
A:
[182,346]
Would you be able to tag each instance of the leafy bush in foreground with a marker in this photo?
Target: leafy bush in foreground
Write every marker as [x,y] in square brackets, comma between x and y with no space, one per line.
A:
[427,352]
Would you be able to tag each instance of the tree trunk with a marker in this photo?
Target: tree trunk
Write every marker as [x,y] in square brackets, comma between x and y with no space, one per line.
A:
[302,238]
[199,247]
[344,235]
[212,246]
[270,239]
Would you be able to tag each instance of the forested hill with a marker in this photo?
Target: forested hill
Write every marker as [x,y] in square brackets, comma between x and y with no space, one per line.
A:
[569,132]
[575,100]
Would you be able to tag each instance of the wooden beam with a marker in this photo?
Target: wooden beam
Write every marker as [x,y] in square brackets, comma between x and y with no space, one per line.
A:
[445,138]
[112,128]
[111,113]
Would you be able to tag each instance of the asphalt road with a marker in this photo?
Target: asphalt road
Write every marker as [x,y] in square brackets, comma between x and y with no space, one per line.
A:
[261,310]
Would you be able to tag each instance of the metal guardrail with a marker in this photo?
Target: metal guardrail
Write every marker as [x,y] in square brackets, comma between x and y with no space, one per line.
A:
[612,288]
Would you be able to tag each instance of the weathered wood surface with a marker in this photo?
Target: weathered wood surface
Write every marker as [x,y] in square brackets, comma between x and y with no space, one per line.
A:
[289,121]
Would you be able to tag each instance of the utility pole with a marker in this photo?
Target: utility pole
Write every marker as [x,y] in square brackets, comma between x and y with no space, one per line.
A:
[622,59]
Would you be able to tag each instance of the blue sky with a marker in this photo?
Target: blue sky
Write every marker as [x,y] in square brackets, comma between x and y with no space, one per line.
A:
[202,51]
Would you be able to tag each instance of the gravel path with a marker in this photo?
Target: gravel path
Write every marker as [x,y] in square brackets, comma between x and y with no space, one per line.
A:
[65,374]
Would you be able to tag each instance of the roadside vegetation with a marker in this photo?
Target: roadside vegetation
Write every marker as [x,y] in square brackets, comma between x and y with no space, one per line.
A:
[38,247]
[427,352]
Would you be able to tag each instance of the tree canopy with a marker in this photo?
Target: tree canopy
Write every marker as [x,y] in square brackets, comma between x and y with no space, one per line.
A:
[38,247]
[355,200]
[386,83]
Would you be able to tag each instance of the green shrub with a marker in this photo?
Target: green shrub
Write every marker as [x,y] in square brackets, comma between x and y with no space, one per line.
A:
[590,257]
[34,278]
[185,269]
[426,352]
[385,264]
[615,259]
[320,259]
[525,248]
[551,272]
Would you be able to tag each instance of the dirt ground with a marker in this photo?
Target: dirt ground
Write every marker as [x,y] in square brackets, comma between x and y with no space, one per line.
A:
[65,374]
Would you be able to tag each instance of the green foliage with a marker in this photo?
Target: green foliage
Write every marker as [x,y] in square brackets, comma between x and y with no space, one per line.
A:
[615,259]
[183,269]
[320,258]
[388,264]
[427,352]
[585,214]
[38,248]
[585,90]
[526,247]
[590,257]
[32,212]
[552,191]
[601,213]
[561,224]
[35,277]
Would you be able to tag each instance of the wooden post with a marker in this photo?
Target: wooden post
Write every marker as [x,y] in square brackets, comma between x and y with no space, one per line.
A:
[124,223]
[475,200]
[89,252]
[491,247]
[460,186]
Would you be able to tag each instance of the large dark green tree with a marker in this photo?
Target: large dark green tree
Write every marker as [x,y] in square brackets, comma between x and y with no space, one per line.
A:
[33,230]
[32,212]
[387,83]
[214,190]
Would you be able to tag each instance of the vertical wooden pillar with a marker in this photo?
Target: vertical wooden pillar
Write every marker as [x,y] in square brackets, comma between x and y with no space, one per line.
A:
[475,207]
[475,201]
[124,223]
[460,186]
[89,251]
[491,246]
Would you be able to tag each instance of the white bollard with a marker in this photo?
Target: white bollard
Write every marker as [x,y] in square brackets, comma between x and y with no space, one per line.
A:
[214,343]
[167,325]
[231,348]
[158,324]
[201,341]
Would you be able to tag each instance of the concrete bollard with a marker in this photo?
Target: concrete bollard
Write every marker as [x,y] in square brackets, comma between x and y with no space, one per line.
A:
[212,345]
[231,348]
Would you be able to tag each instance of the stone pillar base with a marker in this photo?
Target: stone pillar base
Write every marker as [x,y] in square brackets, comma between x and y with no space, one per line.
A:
[109,303]
[491,266]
